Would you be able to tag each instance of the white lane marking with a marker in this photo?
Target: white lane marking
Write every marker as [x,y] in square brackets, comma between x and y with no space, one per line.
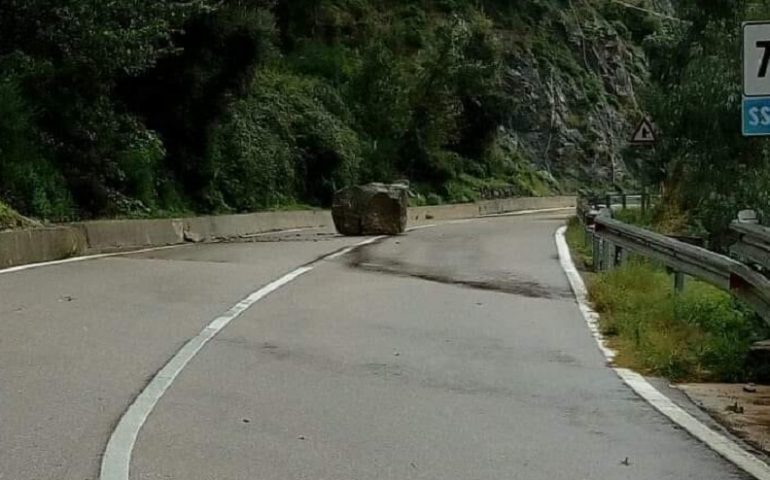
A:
[291,230]
[275,232]
[721,444]
[463,220]
[527,212]
[116,462]
[581,293]
[88,257]
[420,227]
[133,252]
[347,250]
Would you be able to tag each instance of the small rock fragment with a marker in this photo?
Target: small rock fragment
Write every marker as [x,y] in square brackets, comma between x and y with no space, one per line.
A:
[750,388]
[301,437]
[626,462]
[735,408]
[193,237]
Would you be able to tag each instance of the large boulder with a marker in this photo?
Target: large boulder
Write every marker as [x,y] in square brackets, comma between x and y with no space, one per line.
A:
[373,209]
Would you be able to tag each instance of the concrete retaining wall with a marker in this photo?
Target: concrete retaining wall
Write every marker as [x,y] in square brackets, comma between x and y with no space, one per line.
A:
[507,205]
[227,226]
[489,207]
[20,247]
[113,235]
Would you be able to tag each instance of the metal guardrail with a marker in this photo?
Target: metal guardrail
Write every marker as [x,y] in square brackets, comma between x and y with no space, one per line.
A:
[753,246]
[643,200]
[613,241]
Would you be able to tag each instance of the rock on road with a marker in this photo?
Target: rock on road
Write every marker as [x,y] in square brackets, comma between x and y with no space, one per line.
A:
[449,353]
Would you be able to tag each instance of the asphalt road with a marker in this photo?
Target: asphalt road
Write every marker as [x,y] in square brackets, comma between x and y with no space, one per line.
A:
[455,352]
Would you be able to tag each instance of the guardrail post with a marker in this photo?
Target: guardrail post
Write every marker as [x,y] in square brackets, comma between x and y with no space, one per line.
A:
[644,200]
[608,256]
[596,254]
[620,256]
[746,279]
[612,254]
[679,282]
[624,200]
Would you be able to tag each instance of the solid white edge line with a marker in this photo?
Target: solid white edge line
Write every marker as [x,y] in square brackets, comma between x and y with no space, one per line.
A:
[30,266]
[430,225]
[85,258]
[527,212]
[116,461]
[347,250]
[721,444]
[275,232]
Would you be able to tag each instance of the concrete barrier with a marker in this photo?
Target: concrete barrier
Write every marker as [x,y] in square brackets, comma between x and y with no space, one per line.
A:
[418,215]
[508,205]
[228,226]
[20,247]
[114,235]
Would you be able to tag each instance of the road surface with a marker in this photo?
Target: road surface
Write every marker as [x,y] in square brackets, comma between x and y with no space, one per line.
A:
[450,353]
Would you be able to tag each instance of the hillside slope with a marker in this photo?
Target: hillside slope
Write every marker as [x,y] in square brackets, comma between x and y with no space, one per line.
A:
[234,106]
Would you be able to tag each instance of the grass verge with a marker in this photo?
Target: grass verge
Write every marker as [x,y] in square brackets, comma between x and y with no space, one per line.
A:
[701,334]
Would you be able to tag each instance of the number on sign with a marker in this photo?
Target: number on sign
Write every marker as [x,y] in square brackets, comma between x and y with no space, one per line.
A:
[756,59]
[765,45]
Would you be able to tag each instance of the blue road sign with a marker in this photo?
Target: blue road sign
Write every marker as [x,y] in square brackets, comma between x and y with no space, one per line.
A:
[756,116]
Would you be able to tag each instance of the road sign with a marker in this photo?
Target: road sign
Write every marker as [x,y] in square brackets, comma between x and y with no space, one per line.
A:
[756,59]
[756,116]
[644,133]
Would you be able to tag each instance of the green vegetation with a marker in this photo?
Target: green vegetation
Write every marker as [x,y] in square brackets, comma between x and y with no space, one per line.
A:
[699,334]
[581,251]
[709,170]
[9,218]
[164,107]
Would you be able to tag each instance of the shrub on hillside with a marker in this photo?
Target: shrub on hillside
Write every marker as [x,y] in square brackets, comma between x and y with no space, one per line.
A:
[287,140]
[27,178]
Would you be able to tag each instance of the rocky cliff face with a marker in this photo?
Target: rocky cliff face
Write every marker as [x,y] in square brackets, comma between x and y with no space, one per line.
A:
[576,72]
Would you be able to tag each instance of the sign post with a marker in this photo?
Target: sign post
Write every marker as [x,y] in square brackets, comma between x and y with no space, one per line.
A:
[756,79]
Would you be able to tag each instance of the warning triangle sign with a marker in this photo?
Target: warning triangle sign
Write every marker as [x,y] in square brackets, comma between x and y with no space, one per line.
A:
[644,133]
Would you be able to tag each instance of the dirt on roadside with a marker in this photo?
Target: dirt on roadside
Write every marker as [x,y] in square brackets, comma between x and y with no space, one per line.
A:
[742,409]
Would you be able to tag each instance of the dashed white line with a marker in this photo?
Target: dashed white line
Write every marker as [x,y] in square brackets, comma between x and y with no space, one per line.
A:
[721,444]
